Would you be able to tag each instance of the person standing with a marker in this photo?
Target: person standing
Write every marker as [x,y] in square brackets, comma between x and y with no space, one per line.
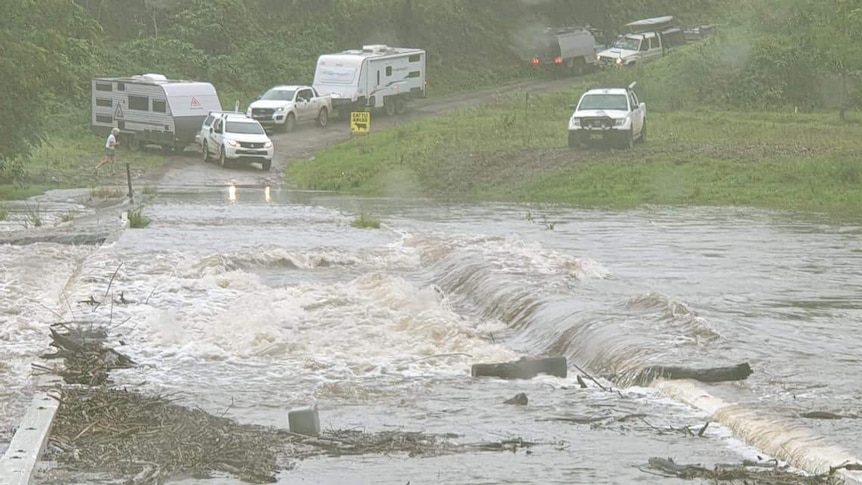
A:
[110,149]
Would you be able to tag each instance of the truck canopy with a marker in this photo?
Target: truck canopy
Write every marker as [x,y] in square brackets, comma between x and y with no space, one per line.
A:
[654,24]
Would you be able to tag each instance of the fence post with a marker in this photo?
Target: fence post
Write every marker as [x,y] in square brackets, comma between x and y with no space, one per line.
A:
[129,180]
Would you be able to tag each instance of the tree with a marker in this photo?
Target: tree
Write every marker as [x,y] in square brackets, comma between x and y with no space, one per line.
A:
[834,30]
[44,48]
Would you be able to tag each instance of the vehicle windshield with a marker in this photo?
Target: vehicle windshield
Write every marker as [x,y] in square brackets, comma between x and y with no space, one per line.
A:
[244,128]
[278,95]
[604,101]
[628,43]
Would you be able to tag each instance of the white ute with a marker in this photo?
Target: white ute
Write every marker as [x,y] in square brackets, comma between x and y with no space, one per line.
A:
[233,138]
[608,115]
[285,106]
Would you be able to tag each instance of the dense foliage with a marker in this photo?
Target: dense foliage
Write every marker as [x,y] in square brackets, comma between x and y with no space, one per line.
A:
[774,52]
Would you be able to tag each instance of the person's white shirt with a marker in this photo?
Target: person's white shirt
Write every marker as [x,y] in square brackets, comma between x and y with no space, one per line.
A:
[112,140]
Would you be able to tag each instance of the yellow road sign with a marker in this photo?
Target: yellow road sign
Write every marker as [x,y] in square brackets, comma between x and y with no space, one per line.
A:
[360,122]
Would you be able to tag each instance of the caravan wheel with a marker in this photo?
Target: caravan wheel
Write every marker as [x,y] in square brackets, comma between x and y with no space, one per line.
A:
[389,106]
[400,106]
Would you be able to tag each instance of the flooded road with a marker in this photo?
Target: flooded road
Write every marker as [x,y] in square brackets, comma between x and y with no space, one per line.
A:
[248,298]
[250,302]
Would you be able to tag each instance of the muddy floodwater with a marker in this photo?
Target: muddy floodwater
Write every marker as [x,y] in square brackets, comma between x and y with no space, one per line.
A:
[249,301]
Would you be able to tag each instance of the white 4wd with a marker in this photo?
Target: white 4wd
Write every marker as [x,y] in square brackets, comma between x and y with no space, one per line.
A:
[285,106]
[234,137]
[612,115]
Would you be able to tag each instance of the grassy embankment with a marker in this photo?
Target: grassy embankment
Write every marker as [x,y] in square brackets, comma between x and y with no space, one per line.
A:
[514,149]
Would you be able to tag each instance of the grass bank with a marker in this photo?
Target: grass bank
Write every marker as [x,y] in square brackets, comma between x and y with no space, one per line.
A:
[68,156]
[514,149]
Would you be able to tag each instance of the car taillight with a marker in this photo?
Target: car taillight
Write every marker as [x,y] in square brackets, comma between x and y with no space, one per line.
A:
[558,60]
[536,61]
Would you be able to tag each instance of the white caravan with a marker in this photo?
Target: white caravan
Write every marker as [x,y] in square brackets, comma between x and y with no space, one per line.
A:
[151,109]
[377,76]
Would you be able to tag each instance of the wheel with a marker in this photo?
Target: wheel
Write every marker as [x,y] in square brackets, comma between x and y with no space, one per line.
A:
[222,159]
[578,66]
[206,151]
[400,106]
[323,118]
[266,165]
[290,123]
[643,133]
[630,139]
[389,106]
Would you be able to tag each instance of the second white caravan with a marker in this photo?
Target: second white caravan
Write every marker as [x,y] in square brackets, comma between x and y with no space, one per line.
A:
[376,77]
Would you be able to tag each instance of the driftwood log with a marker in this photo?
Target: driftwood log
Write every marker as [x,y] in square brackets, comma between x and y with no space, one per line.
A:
[716,374]
[523,368]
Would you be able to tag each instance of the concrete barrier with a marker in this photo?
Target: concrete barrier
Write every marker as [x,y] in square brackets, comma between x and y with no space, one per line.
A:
[19,462]
[31,437]
[795,445]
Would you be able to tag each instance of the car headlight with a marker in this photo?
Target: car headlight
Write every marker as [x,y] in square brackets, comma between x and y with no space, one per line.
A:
[619,60]
[248,112]
[279,110]
[233,143]
[576,122]
[267,144]
[619,122]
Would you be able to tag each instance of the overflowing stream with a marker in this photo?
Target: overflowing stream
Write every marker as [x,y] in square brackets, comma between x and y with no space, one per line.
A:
[248,302]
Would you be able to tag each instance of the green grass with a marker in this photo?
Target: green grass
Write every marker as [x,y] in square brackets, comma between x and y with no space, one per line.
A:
[514,149]
[33,216]
[137,219]
[106,192]
[67,159]
[365,221]
[68,216]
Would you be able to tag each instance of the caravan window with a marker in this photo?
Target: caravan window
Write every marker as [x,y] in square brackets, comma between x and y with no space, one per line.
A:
[121,86]
[104,119]
[414,74]
[388,71]
[139,103]
[335,75]
[106,103]
[415,58]
[159,106]
[103,87]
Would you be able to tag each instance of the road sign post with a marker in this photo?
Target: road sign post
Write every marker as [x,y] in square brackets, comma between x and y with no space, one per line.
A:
[360,122]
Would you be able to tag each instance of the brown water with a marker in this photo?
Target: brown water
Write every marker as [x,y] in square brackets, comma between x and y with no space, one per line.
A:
[252,302]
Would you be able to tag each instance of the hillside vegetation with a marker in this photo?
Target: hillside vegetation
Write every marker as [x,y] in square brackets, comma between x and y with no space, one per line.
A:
[50,49]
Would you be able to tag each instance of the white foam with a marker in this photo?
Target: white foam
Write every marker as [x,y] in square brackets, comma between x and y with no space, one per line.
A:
[796,445]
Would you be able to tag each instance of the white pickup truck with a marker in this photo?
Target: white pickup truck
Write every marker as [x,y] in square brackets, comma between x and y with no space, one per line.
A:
[285,106]
[608,116]
[649,39]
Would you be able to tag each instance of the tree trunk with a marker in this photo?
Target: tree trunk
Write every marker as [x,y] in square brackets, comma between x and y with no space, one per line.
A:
[522,369]
[842,112]
[717,374]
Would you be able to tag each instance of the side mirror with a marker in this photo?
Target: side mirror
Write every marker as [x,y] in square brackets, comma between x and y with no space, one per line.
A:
[211,129]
